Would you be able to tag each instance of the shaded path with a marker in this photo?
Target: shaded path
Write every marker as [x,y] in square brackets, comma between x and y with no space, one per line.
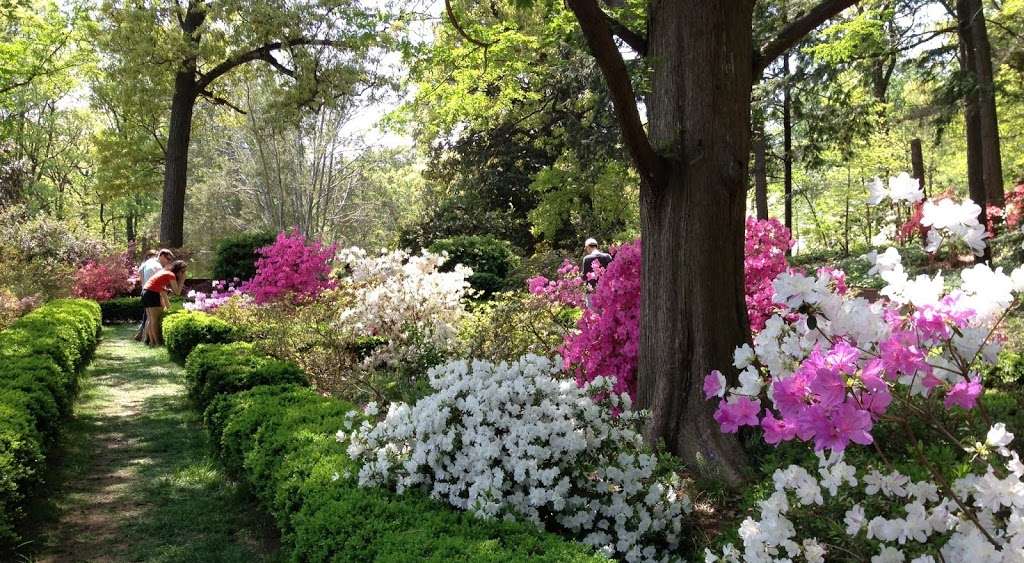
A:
[136,480]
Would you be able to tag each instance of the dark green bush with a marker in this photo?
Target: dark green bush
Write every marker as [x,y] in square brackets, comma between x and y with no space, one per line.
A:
[183,331]
[236,256]
[280,442]
[220,369]
[40,355]
[491,259]
[122,310]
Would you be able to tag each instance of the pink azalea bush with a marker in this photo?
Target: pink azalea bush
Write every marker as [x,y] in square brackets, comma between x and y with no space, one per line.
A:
[607,339]
[105,279]
[836,364]
[291,268]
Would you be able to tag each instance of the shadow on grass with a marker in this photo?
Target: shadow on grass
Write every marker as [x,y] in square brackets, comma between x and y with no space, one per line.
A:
[134,477]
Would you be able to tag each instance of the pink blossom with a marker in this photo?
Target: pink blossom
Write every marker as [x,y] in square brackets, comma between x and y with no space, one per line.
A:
[714,384]
[737,411]
[776,430]
[291,268]
[964,394]
[836,429]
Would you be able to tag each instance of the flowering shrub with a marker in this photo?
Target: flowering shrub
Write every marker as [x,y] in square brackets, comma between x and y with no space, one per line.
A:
[939,219]
[608,337]
[828,368]
[12,307]
[291,268]
[514,440]
[765,246]
[405,300]
[105,279]
[220,294]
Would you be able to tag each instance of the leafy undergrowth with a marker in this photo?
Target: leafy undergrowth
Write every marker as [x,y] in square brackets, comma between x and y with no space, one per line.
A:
[136,481]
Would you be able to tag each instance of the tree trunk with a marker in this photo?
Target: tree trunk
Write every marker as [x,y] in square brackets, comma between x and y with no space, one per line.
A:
[992,164]
[787,143]
[917,164]
[760,171]
[179,134]
[693,311]
[972,119]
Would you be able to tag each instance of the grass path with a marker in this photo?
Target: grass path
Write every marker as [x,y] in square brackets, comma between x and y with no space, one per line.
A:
[136,481]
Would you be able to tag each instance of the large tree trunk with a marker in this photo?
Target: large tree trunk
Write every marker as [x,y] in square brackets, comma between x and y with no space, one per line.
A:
[988,121]
[787,143]
[692,217]
[972,118]
[760,171]
[179,134]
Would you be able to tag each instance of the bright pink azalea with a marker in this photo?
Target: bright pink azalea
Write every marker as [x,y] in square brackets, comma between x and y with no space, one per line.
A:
[777,430]
[714,384]
[105,279]
[737,411]
[291,268]
[964,394]
[875,395]
[765,247]
[834,430]
[567,289]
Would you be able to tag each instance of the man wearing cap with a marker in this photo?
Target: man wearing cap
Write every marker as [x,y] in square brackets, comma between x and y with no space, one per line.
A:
[594,254]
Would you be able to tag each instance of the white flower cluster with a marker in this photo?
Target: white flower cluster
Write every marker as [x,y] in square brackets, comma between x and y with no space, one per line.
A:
[920,522]
[405,299]
[948,220]
[517,440]
[901,188]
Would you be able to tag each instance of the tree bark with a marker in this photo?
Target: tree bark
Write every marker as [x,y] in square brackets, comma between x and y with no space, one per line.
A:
[179,135]
[992,164]
[787,144]
[760,171]
[917,164]
[693,310]
[972,118]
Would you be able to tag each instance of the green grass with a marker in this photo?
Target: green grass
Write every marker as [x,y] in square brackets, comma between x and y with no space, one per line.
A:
[136,481]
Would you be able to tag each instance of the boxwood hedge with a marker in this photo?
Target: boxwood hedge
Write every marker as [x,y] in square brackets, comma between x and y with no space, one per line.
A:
[279,441]
[218,369]
[185,330]
[40,357]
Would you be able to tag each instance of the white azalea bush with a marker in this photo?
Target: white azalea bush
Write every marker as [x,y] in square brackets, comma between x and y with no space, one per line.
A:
[517,440]
[405,300]
[903,376]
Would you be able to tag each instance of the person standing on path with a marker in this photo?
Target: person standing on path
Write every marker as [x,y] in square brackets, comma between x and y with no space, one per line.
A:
[170,279]
[593,256]
[155,261]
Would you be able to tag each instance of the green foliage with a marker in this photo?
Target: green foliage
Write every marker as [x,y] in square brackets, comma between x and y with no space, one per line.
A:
[40,355]
[1009,369]
[219,369]
[236,256]
[490,259]
[122,310]
[280,442]
[514,323]
[183,331]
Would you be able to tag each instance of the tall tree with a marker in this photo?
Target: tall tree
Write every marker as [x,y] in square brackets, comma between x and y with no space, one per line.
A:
[693,163]
[318,49]
[971,13]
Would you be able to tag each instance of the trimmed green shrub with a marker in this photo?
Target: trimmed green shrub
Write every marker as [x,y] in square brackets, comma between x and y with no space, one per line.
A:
[122,310]
[183,331]
[491,259]
[40,355]
[280,442]
[219,369]
[236,256]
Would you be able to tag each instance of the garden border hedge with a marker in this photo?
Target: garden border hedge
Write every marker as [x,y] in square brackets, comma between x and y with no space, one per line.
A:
[279,441]
[184,330]
[41,355]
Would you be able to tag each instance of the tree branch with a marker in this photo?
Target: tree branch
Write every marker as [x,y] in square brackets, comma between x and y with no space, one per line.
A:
[594,24]
[635,41]
[458,27]
[262,53]
[220,101]
[796,30]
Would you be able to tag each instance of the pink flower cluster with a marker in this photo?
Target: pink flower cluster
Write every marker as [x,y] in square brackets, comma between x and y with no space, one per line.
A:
[842,387]
[222,291]
[568,288]
[608,337]
[765,247]
[608,340]
[291,268]
[105,279]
